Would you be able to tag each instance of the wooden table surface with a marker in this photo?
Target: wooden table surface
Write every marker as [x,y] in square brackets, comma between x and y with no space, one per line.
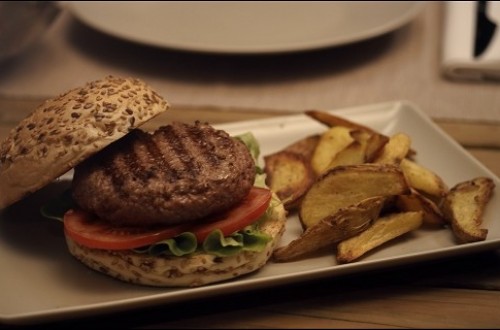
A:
[461,292]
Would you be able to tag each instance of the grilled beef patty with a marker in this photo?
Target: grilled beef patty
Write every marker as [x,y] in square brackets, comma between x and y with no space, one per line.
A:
[177,174]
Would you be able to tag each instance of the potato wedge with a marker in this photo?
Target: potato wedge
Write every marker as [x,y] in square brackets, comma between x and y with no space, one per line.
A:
[464,206]
[374,146]
[343,186]
[415,201]
[395,150]
[381,231]
[305,146]
[353,154]
[332,120]
[289,175]
[363,149]
[330,144]
[343,224]
[375,143]
[351,164]
[424,180]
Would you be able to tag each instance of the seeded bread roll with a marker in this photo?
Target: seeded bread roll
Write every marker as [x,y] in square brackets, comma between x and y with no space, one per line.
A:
[63,131]
[188,271]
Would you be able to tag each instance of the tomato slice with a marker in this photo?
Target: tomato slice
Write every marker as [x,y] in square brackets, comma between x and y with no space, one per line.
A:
[249,210]
[89,231]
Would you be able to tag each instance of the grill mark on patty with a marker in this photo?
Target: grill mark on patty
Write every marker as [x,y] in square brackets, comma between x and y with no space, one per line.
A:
[213,171]
[174,138]
[159,160]
[139,157]
[122,163]
[204,146]
[169,171]
[148,156]
[109,168]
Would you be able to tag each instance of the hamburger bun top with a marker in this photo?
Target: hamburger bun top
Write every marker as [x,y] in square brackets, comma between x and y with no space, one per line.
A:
[63,131]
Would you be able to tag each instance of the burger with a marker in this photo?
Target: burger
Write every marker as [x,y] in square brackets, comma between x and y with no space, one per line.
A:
[182,206]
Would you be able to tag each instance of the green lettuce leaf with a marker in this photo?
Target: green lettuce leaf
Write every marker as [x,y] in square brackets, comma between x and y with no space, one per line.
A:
[248,239]
[252,144]
[179,246]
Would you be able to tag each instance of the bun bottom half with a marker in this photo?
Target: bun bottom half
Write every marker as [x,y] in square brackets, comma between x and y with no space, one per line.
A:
[189,271]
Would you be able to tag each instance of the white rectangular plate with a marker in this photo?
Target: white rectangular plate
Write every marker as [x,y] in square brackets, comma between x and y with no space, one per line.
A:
[40,281]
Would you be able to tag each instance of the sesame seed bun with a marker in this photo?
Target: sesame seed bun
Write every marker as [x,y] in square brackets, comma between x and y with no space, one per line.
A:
[187,271]
[63,131]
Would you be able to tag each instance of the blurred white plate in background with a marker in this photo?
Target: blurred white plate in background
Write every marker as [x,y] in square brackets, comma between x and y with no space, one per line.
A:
[245,27]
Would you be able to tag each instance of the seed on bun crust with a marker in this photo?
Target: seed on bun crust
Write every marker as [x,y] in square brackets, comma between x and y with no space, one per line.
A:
[65,130]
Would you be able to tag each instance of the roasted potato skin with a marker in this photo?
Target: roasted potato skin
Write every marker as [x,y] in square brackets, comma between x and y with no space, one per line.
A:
[343,186]
[464,206]
[383,229]
[305,146]
[331,120]
[288,171]
[330,144]
[395,150]
[424,180]
[289,175]
[351,166]
[432,214]
[336,227]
